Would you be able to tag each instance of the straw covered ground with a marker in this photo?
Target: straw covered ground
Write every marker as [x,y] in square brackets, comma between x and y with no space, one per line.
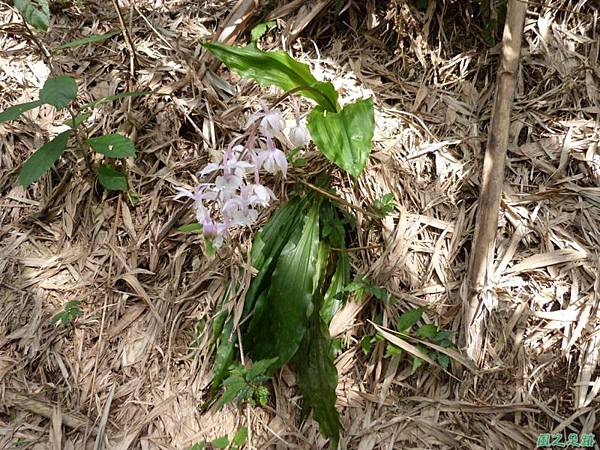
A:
[133,370]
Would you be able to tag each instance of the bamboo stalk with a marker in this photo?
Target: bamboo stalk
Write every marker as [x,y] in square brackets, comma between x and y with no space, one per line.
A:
[480,273]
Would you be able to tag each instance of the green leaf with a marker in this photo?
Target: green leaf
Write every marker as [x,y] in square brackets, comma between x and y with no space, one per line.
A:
[113,146]
[276,69]
[221,442]
[366,343]
[378,292]
[267,247]
[59,91]
[259,30]
[289,300]
[43,158]
[392,350]
[88,40]
[78,120]
[262,395]
[198,446]
[334,296]
[110,98]
[259,368]
[241,436]
[444,360]
[223,357]
[190,228]
[317,378]
[233,386]
[112,179]
[345,137]
[35,12]
[409,318]
[427,331]
[15,111]
[418,362]
[442,336]
[69,312]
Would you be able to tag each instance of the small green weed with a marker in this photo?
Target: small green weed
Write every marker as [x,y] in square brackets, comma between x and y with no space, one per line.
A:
[70,311]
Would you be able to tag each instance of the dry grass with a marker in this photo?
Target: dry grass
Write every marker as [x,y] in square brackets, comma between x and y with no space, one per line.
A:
[134,369]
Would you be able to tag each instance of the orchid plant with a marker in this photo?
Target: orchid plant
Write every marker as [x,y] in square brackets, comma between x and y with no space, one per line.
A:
[236,193]
[299,282]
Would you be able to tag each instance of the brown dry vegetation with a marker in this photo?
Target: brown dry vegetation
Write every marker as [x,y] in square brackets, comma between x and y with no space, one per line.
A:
[133,370]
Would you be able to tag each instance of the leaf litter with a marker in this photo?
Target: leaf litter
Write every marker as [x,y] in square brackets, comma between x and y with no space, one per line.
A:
[125,372]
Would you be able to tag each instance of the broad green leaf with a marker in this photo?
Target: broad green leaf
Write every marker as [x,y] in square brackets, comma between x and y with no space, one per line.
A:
[267,247]
[111,178]
[334,296]
[409,318]
[280,332]
[345,137]
[35,12]
[241,436]
[88,40]
[317,378]
[43,158]
[222,442]
[15,111]
[110,98]
[113,145]
[428,330]
[259,30]
[276,69]
[59,91]
[198,446]
[190,228]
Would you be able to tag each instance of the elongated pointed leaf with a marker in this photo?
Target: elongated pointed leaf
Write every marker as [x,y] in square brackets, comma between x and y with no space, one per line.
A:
[113,145]
[43,158]
[281,328]
[88,40]
[59,91]
[110,98]
[15,111]
[223,356]
[345,138]
[334,296]
[317,378]
[111,178]
[276,69]
[267,247]
[35,12]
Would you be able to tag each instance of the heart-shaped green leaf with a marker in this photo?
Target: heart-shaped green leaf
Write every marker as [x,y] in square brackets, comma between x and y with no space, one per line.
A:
[43,158]
[345,138]
[113,146]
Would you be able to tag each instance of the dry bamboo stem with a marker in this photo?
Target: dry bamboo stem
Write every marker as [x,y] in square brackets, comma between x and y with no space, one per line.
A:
[492,180]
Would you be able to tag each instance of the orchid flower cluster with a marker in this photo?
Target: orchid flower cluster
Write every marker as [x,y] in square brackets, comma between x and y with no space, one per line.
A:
[233,197]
